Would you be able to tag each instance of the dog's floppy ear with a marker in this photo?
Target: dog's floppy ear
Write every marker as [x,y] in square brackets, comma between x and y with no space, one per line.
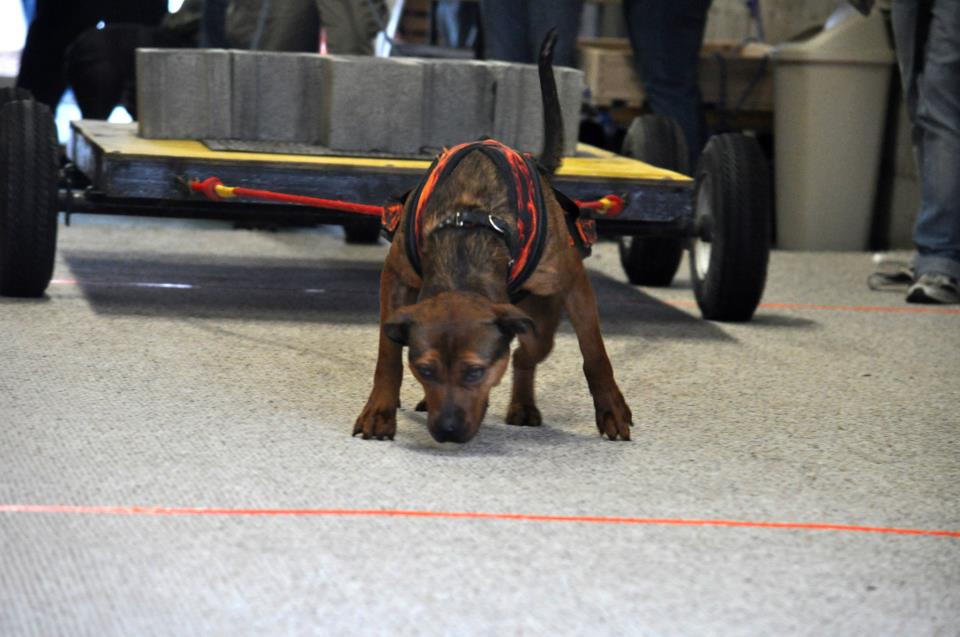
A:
[397,327]
[513,321]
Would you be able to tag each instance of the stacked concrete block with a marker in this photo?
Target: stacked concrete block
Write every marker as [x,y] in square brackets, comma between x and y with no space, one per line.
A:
[570,85]
[372,104]
[458,102]
[184,93]
[347,103]
[277,97]
[518,112]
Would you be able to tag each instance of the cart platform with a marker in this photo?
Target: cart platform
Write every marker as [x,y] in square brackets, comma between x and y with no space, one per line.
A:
[723,215]
[144,176]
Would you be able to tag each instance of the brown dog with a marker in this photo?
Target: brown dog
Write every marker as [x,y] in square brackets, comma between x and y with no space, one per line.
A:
[460,255]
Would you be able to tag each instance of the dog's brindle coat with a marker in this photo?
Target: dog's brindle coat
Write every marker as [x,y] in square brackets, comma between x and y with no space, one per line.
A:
[457,319]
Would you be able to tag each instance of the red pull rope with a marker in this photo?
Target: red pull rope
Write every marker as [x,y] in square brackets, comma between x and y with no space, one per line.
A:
[212,188]
[609,206]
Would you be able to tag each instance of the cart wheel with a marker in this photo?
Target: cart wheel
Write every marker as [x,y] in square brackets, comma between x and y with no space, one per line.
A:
[731,247]
[656,140]
[13,94]
[362,233]
[28,198]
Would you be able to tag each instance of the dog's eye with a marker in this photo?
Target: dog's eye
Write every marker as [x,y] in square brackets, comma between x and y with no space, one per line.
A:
[473,374]
[427,372]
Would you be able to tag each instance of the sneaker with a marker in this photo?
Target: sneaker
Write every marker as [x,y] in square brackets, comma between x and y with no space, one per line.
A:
[890,275]
[934,287]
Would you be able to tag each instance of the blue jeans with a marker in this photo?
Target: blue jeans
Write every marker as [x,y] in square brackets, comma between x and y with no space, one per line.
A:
[666,37]
[29,8]
[927,34]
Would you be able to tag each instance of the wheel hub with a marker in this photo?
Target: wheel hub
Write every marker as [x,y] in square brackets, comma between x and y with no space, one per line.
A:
[704,227]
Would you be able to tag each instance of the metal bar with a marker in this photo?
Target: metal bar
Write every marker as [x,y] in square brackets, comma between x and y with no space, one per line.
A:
[91,202]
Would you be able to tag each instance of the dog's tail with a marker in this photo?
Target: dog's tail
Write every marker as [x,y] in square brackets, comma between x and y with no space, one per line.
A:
[552,116]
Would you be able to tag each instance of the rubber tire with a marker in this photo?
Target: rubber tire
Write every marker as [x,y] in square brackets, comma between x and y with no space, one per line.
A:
[29,174]
[656,140]
[14,94]
[734,179]
[362,233]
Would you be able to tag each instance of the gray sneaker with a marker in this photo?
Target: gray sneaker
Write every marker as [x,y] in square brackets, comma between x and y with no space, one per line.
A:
[934,287]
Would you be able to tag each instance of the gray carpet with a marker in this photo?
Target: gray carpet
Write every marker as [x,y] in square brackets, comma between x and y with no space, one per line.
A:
[216,368]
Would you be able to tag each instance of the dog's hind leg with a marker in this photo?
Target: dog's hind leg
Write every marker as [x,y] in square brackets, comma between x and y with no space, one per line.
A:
[613,415]
[379,417]
[545,312]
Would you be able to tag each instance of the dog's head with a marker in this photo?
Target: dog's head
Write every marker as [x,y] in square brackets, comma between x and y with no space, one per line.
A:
[459,349]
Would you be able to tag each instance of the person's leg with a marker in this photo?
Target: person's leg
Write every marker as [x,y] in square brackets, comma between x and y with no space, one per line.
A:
[93,71]
[100,67]
[448,23]
[57,24]
[505,28]
[29,8]
[351,25]
[52,30]
[565,16]
[937,230]
[666,36]
[287,25]
[145,12]
[213,32]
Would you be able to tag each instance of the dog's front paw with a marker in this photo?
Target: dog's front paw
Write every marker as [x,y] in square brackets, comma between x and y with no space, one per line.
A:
[377,420]
[523,415]
[613,416]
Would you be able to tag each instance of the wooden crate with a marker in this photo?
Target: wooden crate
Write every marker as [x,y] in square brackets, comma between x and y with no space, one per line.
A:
[608,68]
[607,65]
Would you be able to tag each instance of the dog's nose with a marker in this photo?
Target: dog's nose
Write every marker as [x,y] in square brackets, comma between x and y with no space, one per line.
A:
[451,426]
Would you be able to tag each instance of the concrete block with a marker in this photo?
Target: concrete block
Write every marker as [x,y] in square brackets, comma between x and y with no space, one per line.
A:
[184,93]
[372,104]
[518,110]
[277,96]
[458,102]
[570,86]
[518,113]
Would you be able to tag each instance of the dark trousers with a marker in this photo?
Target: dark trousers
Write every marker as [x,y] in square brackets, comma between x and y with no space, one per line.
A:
[514,29]
[666,36]
[101,65]
[55,26]
[213,33]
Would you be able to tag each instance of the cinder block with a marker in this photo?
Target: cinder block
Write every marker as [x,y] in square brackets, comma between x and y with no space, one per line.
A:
[458,102]
[570,85]
[518,114]
[277,96]
[372,104]
[518,111]
[184,93]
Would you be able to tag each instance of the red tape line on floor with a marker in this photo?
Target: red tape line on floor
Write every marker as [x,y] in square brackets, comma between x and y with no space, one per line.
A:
[400,513]
[881,309]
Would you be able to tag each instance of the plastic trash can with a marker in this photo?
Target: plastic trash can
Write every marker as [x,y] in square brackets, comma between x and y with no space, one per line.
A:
[830,96]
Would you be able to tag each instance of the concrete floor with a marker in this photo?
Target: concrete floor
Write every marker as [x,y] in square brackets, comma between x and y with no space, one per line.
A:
[219,369]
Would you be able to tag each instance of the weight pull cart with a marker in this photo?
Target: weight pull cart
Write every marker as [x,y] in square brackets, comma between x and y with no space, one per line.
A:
[721,215]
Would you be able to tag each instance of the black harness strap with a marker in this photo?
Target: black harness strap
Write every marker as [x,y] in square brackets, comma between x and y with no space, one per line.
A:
[520,175]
